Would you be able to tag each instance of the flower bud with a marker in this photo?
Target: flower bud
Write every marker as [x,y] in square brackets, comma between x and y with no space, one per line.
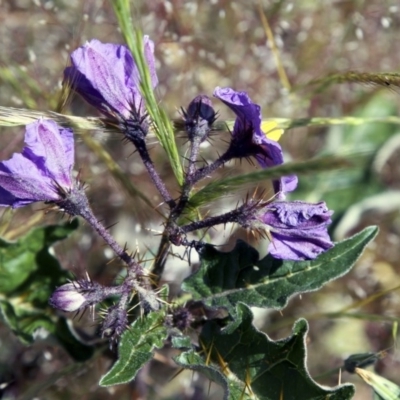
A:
[182,318]
[77,295]
[199,117]
[114,323]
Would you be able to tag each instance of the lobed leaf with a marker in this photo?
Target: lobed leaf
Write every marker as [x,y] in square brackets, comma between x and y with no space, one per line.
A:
[233,388]
[224,279]
[247,364]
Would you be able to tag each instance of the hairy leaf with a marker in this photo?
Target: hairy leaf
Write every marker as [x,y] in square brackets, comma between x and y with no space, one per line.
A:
[265,369]
[181,342]
[233,388]
[227,278]
[136,348]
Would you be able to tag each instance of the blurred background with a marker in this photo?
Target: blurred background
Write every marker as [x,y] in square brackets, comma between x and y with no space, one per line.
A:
[198,46]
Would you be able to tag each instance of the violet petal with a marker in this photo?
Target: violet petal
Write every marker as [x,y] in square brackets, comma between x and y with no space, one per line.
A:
[267,152]
[298,229]
[44,166]
[106,76]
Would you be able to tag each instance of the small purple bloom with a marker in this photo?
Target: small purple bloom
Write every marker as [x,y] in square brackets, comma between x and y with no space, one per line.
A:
[249,140]
[106,76]
[298,229]
[42,172]
[75,296]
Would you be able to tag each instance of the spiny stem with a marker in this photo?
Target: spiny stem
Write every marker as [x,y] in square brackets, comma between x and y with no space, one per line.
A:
[155,177]
[160,258]
[231,216]
[76,203]
[208,169]
[88,215]
[187,186]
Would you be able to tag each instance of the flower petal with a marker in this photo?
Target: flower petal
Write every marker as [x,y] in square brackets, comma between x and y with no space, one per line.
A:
[23,183]
[52,149]
[298,229]
[299,247]
[247,129]
[248,114]
[67,298]
[102,75]
[43,167]
[149,54]
[106,76]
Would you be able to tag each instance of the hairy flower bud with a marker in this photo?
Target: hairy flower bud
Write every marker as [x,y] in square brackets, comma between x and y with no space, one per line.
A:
[199,117]
[77,295]
[114,323]
[182,318]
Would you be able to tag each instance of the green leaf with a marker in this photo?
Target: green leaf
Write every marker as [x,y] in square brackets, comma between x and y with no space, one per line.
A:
[181,342]
[233,389]
[24,322]
[136,348]
[29,274]
[250,365]
[19,259]
[224,279]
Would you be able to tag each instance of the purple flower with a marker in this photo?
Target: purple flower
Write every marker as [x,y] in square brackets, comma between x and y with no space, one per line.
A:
[249,140]
[106,76]
[298,229]
[42,172]
[77,295]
